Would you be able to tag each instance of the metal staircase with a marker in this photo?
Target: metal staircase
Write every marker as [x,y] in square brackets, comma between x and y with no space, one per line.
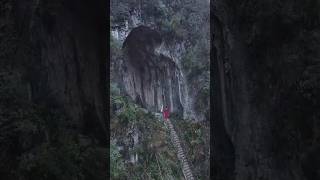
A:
[181,155]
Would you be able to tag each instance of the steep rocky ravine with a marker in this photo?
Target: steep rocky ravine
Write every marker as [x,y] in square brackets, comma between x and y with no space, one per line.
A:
[158,58]
[266,90]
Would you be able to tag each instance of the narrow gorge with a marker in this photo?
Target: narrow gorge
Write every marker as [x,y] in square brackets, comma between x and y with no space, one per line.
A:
[249,69]
[156,62]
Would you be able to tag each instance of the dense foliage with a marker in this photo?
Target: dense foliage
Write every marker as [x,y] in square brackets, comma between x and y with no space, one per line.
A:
[156,155]
[194,137]
[38,142]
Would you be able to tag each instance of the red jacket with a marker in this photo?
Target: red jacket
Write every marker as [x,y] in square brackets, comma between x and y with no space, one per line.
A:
[166,113]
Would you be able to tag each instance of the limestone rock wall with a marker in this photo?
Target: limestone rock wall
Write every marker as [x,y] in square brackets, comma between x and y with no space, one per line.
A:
[265,90]
[60,53]
[180,90]
[150,79]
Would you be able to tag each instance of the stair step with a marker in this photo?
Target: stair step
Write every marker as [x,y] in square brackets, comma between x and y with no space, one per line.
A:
[190,177]
[181,156]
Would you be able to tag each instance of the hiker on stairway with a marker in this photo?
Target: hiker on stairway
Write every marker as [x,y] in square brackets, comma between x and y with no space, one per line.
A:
[165,113]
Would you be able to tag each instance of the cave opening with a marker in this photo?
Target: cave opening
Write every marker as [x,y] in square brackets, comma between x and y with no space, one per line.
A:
[153,74]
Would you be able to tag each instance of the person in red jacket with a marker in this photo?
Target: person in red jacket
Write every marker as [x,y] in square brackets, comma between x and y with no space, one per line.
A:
[166,113]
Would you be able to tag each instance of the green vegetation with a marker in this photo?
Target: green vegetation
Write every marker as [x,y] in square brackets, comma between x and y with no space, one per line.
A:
[38,142]
[178,22]
[117,169]
[156,154]
[47,149]
[194,137]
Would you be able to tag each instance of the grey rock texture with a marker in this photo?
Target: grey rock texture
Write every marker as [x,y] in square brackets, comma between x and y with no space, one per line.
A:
[135,15]
[150,79]
[60,55]
[266,90]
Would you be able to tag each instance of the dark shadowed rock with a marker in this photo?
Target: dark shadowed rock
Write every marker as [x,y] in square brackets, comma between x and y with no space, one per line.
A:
[266,90]
[60,52]
[53,116]
[142,40]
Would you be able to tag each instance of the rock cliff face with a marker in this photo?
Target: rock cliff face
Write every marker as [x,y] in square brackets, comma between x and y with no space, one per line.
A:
[265,90]
[164,84]
[58,51]
[53,89]
[64,57]
[150,79]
